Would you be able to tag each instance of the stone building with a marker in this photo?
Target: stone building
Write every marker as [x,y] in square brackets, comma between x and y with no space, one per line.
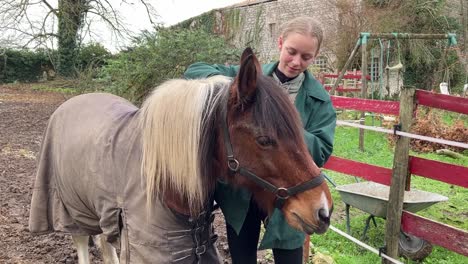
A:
[260,21]
[256,23]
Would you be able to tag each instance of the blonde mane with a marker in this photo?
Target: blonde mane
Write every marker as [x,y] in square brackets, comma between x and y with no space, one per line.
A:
[172,121]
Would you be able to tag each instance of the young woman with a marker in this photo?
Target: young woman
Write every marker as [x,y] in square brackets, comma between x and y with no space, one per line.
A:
[298,44]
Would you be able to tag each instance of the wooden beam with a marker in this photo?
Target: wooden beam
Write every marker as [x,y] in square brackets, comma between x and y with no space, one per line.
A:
[369,105]
[350,76]
[446,236]
[442,101]
[444,172]
[363,170]
[408,36]
[400,174]
[343,89]
[306,250]
[345,67]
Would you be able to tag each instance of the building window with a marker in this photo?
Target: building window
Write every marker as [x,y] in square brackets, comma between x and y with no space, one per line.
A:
[272,27]
[320,64]
[373,69]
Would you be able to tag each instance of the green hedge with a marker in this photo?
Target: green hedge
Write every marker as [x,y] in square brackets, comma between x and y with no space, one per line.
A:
[159,56]
[28,66]
[22,65]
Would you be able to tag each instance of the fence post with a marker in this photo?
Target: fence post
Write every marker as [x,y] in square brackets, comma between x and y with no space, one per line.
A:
[364,37]
[400,174]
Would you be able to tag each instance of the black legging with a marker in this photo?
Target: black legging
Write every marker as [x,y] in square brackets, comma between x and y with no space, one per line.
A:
[243,247]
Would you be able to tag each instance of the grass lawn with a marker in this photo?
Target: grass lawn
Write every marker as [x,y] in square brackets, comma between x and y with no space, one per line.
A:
[379,152]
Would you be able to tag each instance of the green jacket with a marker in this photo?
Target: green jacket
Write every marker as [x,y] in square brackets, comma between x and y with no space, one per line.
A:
[319,119]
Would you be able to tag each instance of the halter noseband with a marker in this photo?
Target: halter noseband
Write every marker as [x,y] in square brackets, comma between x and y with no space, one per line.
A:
[282,193]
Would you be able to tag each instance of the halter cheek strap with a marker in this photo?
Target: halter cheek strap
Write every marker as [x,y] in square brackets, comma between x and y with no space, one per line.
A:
[282,193]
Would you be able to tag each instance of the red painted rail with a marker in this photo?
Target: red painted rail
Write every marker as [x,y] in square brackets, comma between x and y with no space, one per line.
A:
[437,233]
[369,105]
[442,101]
[346,76]
[342,89]
[366,171]
[444,172]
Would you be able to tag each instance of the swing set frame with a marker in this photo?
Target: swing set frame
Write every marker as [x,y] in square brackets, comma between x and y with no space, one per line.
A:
[362,43]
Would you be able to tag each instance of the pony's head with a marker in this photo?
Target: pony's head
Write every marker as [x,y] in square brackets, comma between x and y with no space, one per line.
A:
[265,151]
[246,131]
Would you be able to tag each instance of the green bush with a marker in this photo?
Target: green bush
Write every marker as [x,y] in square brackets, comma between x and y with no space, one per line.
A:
[23,65]
[28,66]
[157,57]
[93,56]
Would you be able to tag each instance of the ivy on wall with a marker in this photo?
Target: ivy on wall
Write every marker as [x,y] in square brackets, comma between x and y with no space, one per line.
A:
[253,36]
[233,22]
[205,22]
[230,25]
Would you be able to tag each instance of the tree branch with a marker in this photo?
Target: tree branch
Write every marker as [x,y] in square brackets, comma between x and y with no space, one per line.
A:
[51,9]
[18,23]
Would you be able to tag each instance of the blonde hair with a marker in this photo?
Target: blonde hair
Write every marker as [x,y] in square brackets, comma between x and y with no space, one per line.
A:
[303,25]
[173,118]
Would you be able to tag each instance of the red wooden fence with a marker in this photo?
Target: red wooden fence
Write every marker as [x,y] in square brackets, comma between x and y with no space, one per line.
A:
[437,233]
[363,170]
[440,171]
[349,76]
[442,101]
[342,89]
[369,105]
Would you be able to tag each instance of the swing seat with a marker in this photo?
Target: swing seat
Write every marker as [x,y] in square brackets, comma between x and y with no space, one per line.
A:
[443,86]
[398,66]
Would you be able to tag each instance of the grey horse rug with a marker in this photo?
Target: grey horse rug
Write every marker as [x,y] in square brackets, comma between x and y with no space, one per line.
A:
[89,182]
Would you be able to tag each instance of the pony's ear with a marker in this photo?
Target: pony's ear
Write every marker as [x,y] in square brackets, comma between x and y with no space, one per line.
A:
[247,77]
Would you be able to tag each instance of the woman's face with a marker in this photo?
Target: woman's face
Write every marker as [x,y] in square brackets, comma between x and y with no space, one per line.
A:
[297,52]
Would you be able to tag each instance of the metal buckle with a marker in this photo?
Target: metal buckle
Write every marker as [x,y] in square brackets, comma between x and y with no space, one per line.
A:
[200,250]
[282,193]
[198,230]
[233,164]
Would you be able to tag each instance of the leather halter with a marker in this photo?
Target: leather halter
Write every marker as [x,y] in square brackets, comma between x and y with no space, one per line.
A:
[282,193]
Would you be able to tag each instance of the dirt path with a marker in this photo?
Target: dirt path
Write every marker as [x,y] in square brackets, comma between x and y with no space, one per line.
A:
[23,117]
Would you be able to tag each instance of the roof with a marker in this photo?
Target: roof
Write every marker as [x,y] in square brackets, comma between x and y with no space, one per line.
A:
[249,3]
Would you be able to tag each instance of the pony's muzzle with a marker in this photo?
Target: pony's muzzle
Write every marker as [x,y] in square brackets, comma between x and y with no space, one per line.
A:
[323,215]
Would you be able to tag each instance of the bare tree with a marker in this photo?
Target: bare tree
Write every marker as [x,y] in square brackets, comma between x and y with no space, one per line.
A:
[64,23]
[346,20]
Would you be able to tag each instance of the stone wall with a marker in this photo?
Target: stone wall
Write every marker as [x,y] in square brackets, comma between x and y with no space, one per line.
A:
[260,22]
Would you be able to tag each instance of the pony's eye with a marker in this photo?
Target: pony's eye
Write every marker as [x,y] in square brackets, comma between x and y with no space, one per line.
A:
[266,141]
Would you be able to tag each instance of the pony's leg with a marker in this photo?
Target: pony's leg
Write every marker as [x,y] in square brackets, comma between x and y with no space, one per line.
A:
[81,244]
[109,254]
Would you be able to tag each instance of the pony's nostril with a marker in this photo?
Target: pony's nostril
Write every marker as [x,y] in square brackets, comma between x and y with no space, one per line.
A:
[324,216]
